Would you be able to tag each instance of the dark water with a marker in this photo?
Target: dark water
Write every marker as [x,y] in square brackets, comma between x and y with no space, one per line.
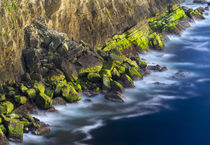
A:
[188,122]
[169,108]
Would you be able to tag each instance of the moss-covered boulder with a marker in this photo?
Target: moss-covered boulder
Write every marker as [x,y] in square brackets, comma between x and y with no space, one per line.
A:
[2,97]
[23,88]
[3,139]
[43,101]
[94,77]
[39,87]
[3,128]
[31,93]
[117,87]
[15,130]
[115,74]
[6,107]
[56,76]
[134,73]
[106,82]
[121,69]
[21,99]
[70,94]
[106,72]
[89,64]
[127,82]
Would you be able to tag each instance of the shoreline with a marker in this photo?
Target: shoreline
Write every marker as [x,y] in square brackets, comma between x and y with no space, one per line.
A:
[119,89]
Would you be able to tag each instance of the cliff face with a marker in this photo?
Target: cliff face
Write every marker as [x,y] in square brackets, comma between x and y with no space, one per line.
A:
[93,21]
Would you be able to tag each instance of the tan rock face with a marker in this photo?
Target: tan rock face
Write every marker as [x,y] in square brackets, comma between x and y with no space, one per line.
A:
[92,21]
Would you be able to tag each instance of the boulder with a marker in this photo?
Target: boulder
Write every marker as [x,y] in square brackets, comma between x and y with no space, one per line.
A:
[3,139]
[70,94]
[59,101]
[117,87]
[31,93]
[126,81]
[106,82]
[26,109]
[94,77]
[6,107]
[15,130]
[89,64]
[21,99]
[69,70]
[43,101]
[32,60]
[39,87]
[115,97]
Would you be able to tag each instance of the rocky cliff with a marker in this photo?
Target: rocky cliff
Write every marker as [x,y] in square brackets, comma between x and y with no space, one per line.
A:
[93,21]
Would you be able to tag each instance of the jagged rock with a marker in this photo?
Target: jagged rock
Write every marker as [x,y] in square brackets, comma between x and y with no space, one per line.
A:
[31,60]
[69,70]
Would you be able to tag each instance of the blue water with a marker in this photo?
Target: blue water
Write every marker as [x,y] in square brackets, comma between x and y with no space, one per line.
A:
[167,108]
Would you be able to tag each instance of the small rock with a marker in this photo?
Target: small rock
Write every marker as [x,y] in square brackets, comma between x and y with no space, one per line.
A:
[115,97]
[59,101]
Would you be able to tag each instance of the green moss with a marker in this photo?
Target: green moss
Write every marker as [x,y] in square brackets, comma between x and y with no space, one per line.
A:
[20,99]
[96,68]
[23,88]
[6,107]
[43,101]
[31,93]
[39,86]
[15,127]
[106,82]
[94,77]
[57,78]
[142,64]
[3,129]
[134,72]
[115,74]
[11,93]
[121,69]
[116,86]
[106,72]
[167,21]
[70,94]
[13,116]
[2,97]
[155,41]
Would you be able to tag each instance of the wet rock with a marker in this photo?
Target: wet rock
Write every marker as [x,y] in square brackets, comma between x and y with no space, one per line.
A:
[59,101]
[41,131]
[52,109]
[88,100]
[117,87]
[94,77]
[180,74]
[115,97]
[200,1]
[163,69]
[126,81]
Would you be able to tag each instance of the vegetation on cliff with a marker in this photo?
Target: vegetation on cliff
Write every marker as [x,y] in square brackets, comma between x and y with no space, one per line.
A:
[58,69]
